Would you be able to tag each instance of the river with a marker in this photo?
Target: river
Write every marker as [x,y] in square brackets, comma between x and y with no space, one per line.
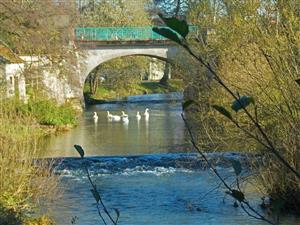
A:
[145,169]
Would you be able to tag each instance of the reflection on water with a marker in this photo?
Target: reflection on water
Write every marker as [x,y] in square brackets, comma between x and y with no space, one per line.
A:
[163,132]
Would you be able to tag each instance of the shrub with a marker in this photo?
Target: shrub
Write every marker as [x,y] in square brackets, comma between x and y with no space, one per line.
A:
[255,57]
[22,184]
[48,112]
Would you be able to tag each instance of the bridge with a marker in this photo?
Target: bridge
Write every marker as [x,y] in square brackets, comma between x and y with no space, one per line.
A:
[103,44]
[97,46]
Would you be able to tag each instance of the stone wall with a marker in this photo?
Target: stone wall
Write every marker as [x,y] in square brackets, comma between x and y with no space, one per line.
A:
[60,88]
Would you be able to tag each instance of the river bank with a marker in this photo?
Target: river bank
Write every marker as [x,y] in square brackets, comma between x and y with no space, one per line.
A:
[23,185]
[106,94]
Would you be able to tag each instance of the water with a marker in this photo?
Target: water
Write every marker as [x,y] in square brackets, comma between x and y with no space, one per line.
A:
[163,132]
[146,170]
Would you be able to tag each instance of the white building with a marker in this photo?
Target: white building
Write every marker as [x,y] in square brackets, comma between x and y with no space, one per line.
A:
[12,80]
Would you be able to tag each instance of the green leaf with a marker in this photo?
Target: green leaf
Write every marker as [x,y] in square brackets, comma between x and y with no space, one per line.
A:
[79,150]
[180,26]
[298,81]
[277,205]
[167,33]
[187,104]
[238,195]
[96,195]
[243,102]
[237,166]
[222,110]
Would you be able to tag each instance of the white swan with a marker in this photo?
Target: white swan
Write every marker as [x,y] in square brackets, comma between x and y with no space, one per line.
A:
[146,114]
[125,119]
[95,117]
[108,114]
[124,114]
[138,116]
[113,117]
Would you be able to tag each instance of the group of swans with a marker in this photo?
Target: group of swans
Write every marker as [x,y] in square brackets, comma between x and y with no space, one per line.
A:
[123,117]
[113,117]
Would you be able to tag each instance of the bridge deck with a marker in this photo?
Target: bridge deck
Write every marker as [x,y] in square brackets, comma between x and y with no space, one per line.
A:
[118,34]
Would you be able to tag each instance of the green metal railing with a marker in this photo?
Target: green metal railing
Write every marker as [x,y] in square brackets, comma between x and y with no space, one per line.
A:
[118,34]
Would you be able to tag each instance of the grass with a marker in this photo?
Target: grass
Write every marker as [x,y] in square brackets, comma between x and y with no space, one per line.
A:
[108,93]
[22,183]
[46,112]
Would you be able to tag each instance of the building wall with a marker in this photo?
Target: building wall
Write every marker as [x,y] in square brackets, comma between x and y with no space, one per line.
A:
[15,80]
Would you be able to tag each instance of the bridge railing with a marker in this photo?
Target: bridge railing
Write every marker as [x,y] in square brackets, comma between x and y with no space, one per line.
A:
[118,34]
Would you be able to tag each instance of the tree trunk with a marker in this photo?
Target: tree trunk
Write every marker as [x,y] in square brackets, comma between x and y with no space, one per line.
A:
[93,84]
[167,75]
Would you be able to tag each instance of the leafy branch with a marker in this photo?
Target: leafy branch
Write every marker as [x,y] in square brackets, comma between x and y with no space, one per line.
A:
[240,103]
[177,33]
[237,194]
[99,202]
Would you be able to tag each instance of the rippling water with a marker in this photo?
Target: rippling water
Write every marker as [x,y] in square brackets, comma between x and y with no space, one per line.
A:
[151,189]
[145,169]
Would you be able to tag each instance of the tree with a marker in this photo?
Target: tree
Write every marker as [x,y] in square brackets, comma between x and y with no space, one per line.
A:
[117,13]
[171,8]
[253,46]
[32,27]
[251,51]
[43,29]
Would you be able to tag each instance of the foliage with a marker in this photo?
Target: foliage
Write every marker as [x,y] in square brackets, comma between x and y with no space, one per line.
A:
[253,48]
[43,220]
[22,184]
[31,27]
[121,74]
[172,8]
[47,112]
[42,29]
[108,93]
[123,71]
[114,13]
[10,217]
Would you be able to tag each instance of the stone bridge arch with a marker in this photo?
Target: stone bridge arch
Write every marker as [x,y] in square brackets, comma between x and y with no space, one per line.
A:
[94,57]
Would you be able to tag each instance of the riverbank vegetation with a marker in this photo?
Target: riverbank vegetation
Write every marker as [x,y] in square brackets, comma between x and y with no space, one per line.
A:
[251,49]
[106,92]
[47,112]
[30,28]
[22,184]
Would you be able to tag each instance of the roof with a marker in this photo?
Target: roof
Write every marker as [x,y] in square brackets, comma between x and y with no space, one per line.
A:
[8,55]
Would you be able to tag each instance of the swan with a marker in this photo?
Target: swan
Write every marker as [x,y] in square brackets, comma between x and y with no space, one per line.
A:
[125,119]
[124,114]
[138,116]
[116,118]
[95,117]
[146,114]
[108,114]
[113,117]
